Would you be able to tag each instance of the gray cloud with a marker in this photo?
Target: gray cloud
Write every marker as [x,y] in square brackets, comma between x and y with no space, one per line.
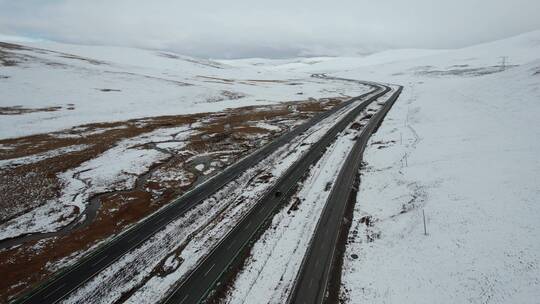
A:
[278,28]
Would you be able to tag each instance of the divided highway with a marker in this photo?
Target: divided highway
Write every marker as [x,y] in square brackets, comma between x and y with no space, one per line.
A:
[311,285]
[213,270]
[71,278]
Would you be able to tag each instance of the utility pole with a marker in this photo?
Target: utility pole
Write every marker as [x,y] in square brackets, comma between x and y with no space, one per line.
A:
[424,216]
[503,62]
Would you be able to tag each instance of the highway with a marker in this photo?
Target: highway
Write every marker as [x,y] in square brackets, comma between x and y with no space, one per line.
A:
[312,282]
[215,269]
[69,279]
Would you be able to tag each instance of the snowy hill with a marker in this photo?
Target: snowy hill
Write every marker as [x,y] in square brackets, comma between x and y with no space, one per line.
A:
[60,86]
[460,145]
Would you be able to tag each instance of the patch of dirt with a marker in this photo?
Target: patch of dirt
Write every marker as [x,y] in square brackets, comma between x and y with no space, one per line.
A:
[222,137]
[12,46]
[168,55]
[217,79]
[7,59]
[109,90]
[464,71]
[248,81]
[17,110]
[295,205]
[267,80]
[383,144]
[225,95]
[91,61]
[356,126]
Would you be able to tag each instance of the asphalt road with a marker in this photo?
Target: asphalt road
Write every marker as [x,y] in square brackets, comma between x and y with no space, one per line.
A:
[66,281]
[213,270]
[311,284]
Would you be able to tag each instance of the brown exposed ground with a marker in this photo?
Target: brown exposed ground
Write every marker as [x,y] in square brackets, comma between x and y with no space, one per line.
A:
[10,58]
[226,136]
[7,57]
[17,110]
[246,81]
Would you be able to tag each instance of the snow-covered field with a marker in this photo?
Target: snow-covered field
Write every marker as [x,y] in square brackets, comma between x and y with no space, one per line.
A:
[269,272]
[89,84]
[465,151]
[150,271]
[460,145]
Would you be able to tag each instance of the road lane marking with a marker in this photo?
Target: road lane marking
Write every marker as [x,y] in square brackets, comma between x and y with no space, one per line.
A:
[209,269]
[230,244]
[54,290]
[184,299]
[132,238]
[96,262]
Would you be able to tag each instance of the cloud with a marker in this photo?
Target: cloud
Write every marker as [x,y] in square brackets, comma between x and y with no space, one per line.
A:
[277,28]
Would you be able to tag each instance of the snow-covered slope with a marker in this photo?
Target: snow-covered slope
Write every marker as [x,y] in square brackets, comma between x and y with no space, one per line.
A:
[57,86]
[460,144]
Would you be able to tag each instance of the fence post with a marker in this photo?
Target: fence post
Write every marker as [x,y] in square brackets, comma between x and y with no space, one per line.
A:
[424,216]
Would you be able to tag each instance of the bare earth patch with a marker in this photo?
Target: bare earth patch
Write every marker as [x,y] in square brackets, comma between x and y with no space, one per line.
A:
[216,141]
[17,110]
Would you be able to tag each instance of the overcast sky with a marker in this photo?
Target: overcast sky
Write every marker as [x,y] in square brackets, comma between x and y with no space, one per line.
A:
[271,28]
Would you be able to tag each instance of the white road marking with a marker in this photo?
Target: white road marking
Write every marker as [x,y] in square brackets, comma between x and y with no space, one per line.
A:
[209,269]
[163,219]
[184,299]
[230,245]
[96,262]
[132,238]
[51,293]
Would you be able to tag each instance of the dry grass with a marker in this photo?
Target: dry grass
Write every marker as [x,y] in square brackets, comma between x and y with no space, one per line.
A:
[230,130]
[18,110]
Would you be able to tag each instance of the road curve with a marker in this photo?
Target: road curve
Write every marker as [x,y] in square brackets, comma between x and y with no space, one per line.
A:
[213,270]
[311,284]
[69,279]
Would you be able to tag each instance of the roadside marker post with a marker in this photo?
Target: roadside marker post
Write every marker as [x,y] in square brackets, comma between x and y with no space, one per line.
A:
[424,216]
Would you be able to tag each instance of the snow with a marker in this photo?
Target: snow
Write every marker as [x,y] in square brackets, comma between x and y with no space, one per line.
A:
[193,235]
[39,220]
[465,153]
[141,83]
[460,144]
[267,126]
[268,274]
[115,169]
[15,162]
